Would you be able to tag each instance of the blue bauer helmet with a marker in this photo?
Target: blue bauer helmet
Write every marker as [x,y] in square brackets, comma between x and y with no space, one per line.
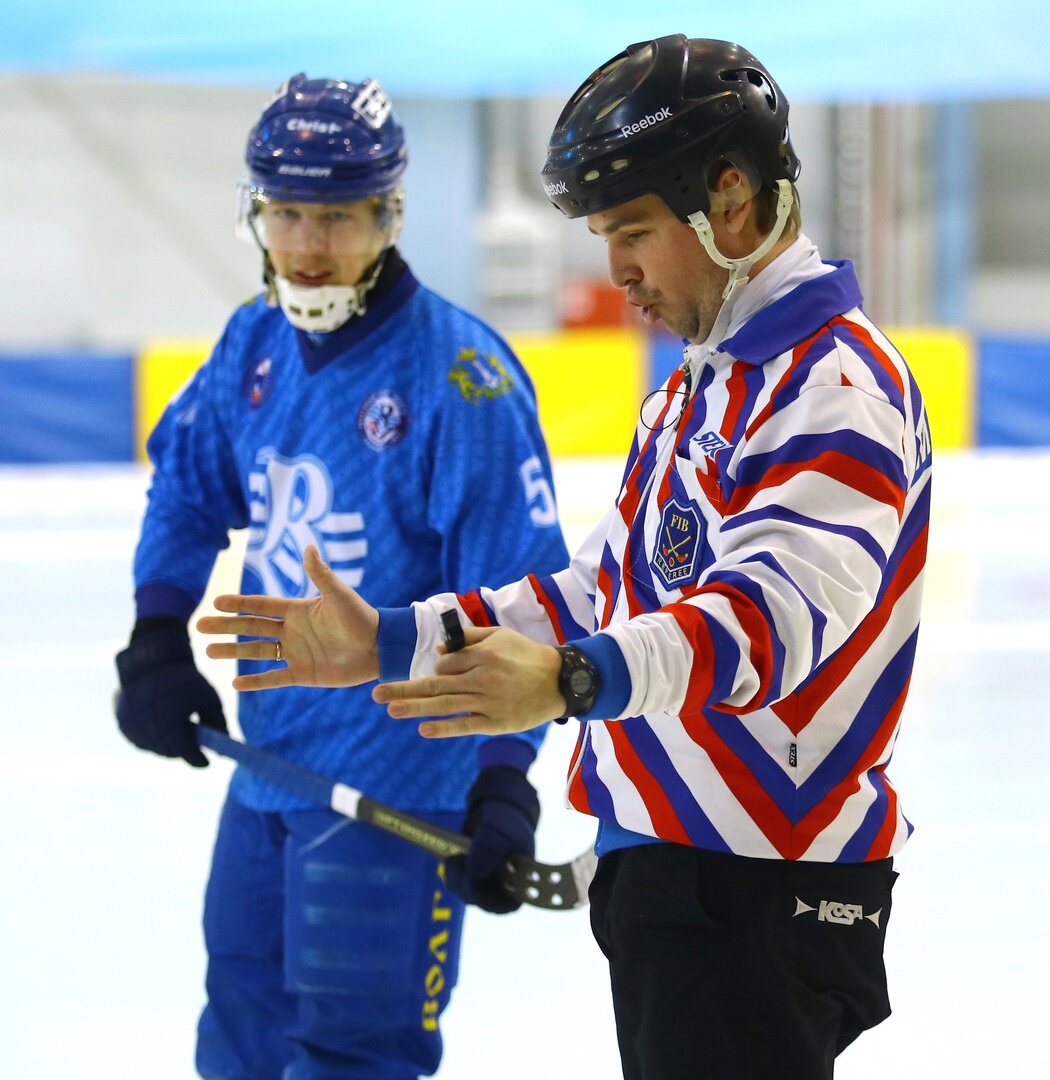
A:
[325,140]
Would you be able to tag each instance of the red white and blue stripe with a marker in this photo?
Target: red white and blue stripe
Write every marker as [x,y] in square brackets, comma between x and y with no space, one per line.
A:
[752,599]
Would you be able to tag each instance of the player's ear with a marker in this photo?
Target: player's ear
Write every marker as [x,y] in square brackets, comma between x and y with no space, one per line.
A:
[731,199]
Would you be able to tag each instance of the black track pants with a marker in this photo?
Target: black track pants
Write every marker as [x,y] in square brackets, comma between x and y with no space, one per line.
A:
[727,968]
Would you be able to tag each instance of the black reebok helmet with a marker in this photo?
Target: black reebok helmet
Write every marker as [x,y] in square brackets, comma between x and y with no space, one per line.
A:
[658,118]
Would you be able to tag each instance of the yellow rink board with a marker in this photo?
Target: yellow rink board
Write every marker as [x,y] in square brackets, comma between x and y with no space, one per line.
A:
[943,363]
[590,384]
[163,369]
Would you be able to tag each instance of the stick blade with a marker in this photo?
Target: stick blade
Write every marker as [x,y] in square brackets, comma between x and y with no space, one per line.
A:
[559,887]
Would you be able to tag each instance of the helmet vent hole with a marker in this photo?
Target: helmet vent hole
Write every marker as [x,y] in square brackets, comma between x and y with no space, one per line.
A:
[756,78]
[612,65]
[730,76]
[606,109]
[620,163]
[590,176]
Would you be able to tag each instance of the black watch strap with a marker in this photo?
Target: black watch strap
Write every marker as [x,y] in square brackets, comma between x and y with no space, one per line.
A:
[577,682]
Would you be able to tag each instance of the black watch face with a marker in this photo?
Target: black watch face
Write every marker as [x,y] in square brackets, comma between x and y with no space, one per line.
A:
[580,682]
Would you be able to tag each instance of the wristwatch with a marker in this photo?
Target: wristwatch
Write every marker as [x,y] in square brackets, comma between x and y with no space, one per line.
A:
[577,681]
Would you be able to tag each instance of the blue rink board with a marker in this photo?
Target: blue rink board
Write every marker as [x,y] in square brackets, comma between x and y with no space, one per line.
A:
[1013,399]
[66,407]
[79,407]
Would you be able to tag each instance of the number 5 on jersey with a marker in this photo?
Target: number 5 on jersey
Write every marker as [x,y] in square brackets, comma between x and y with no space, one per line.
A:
[538,493]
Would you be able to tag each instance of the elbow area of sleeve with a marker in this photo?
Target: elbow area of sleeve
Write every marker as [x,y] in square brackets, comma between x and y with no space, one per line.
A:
[614,678]
[397,642]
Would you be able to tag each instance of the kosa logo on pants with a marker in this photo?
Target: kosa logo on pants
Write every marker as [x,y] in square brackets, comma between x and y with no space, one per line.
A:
[834,911]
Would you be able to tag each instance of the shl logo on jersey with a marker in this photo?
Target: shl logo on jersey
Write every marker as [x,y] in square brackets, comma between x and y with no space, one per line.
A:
[677,544]
[291,503]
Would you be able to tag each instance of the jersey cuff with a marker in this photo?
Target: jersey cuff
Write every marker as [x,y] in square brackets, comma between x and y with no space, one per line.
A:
[506,750]
[160,598]
[613,837]
[396,640]
[614,679]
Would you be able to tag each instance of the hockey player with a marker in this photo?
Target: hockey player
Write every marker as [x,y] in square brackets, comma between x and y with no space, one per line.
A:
[351,408]
[737,637]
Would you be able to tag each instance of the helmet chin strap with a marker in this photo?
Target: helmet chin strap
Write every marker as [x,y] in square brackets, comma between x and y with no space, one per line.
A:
[739,268]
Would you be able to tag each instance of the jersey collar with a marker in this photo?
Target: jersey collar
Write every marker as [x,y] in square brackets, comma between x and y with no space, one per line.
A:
[796,315]
[395,287]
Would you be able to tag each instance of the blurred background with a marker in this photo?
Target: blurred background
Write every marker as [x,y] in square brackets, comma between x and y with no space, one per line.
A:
[923,131]
[924,134]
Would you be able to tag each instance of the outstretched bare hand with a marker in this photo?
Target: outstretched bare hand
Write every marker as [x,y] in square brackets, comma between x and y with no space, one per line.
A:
[327,640]
[500,683]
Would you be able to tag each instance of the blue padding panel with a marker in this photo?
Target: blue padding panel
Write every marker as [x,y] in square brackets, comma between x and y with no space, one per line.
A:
[1013,401]
[665,354]
[65,408]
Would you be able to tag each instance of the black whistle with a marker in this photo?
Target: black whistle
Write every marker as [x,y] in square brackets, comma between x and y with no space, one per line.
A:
[452,630]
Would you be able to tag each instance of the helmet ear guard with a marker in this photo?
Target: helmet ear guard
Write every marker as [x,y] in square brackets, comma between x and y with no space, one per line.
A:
[740,268]
[390,215]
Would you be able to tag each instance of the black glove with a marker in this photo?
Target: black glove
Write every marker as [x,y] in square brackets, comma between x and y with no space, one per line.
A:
[161,688]
[502,812]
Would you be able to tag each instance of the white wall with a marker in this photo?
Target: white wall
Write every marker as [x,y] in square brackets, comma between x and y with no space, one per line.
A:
[117,207]
[118,199]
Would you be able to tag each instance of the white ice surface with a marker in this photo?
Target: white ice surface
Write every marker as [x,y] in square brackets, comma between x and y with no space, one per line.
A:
[104,850]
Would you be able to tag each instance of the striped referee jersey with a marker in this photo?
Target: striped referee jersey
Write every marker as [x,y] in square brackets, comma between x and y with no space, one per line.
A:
[751,600]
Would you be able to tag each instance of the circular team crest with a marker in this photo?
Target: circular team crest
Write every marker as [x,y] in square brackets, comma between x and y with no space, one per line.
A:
[382,420]
[259,382]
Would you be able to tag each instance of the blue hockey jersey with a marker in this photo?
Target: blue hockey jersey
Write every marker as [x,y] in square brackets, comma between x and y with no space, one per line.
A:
[406,446]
